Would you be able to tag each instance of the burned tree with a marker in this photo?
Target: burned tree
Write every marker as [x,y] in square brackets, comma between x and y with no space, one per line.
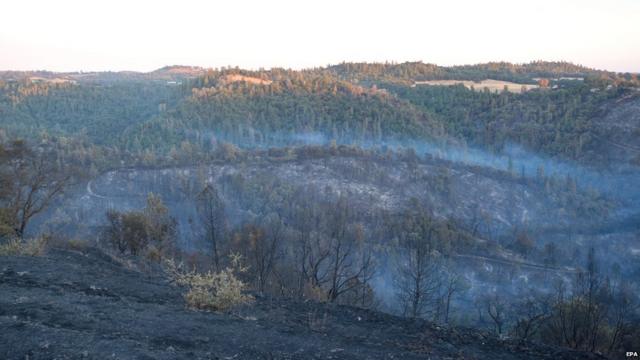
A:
[453,284]
[309,248]
[347,269]
[212,214]
[134,231]
[260,244]
[331,253]
[496,308]
[30,181]
[530,315]
[417,282]
[593,314]
[162,227]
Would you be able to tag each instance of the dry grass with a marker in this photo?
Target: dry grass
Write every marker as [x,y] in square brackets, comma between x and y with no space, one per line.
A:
[78,244]
[248,79]
[314,292]
[492,85]
[50,80]
[20,247]
[211,291]
[73,244]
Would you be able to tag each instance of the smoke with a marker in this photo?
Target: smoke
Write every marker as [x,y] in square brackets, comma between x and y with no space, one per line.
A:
[617,183]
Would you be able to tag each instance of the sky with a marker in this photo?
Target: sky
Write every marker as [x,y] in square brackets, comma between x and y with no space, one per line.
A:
[139,35]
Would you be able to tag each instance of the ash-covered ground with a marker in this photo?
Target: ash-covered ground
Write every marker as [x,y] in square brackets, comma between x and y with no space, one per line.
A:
[496,201]
[492,205]
[86,305]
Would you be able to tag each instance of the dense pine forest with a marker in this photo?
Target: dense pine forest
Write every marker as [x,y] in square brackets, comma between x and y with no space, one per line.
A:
[360,104]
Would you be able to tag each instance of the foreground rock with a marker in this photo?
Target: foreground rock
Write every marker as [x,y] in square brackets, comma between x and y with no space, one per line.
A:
[73,305]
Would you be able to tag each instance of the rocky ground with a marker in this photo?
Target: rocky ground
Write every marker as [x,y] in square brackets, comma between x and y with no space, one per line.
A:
[84,304]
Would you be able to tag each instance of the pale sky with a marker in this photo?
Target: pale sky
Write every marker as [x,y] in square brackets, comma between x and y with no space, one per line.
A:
[72,35]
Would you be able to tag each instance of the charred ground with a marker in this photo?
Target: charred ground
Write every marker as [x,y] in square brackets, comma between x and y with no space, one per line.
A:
[84,304]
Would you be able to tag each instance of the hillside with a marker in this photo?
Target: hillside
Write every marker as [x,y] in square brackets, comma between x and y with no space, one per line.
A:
[83,304]
[166,73]
[419,71]
[350,103]
[185,108]
[397,188]
[272,109]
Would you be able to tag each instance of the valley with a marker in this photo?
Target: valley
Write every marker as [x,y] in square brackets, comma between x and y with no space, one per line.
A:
[402,189]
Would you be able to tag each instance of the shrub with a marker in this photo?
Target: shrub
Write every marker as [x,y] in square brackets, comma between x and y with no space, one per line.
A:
[314,292]
[18,247]
[212,291]
[77,244]
[151,229]
[215,291]
[153,254]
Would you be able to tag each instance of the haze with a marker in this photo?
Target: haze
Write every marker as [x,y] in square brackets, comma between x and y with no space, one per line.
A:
[73,35]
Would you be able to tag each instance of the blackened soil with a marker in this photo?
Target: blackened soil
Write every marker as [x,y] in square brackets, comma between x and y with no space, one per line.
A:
[74,305]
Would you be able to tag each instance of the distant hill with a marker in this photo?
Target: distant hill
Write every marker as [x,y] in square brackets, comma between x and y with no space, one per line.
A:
[362,103]
[175,72]
[418,71]
[272,108]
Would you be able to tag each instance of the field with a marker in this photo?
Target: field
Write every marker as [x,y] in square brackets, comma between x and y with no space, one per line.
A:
[493,85]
